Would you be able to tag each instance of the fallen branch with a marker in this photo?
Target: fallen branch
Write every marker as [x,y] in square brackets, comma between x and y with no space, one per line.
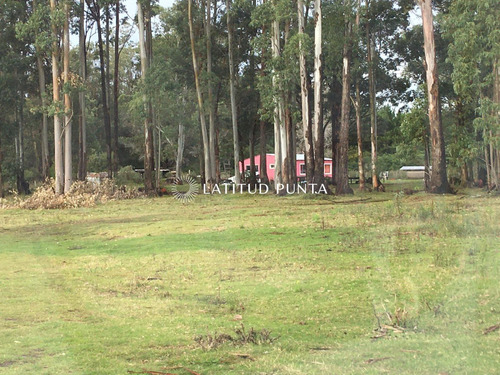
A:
[374,360]
[243,355]
[150,372]
[491,329]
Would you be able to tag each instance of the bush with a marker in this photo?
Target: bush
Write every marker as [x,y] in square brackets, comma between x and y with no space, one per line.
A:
[127,176]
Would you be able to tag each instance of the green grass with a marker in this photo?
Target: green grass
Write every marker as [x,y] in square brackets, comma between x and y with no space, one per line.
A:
[129,285]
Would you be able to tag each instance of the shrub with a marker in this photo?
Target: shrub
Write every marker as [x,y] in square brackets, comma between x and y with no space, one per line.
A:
[127,176]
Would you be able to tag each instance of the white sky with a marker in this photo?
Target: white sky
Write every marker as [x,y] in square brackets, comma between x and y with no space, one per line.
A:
[131,5]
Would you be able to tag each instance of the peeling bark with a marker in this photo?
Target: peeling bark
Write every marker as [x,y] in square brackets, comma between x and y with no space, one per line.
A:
[148,127]
[304,91]
[68,154]
[439,181]
[318,132]
[342,173]
[58,156]
[82,121]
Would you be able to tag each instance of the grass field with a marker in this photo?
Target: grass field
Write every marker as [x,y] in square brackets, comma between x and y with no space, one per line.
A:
[370,284]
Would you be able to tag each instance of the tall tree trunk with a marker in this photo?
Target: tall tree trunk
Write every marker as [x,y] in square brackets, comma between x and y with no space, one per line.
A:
[252,179]
[336,116]
[157,141]
[211,112]
[342,173]
[217,143]
[2,193]
[487,161]
[45,126]
[278,118]
[264,178]
[427,161]
[373,107]
[82,123]
[286,131]
[22,186]
[304,92]
[107,67]
[290,161]
[493,164]
[359,132]
[318,132]
[439,181]
[232,93]
[150,141]
[181,139]
[357,107]
[107,19]
[68,154]
[495,159]
[116,84]
[148,129]
[460,125]
[58,155]
[104,91]
[196,70]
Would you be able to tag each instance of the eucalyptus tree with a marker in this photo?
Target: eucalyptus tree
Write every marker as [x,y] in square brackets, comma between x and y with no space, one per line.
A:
[234,115]
[58,151]
[145,47]
[116,83]
[318,130]
[95,11]
[382,22]
[82,120]
[274,83]
[279,133]
[474,53]
[209,176]
[357,105]
[304,92]
[439,180]
[342,173]
[68,157]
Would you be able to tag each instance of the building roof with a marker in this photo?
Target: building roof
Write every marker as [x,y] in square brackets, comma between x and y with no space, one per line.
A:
[301,157]
[415,168]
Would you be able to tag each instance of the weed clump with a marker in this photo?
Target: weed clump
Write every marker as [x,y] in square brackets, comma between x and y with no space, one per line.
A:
[241,337]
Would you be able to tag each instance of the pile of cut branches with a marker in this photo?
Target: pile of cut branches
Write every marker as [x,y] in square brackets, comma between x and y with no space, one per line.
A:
[81,194]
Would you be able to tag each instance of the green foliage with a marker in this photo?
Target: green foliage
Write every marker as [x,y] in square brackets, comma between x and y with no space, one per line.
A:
[97,161]
[473,28]
[127,176]
[414,127]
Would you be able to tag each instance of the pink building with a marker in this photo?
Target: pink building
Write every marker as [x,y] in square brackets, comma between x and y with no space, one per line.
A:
[300,166]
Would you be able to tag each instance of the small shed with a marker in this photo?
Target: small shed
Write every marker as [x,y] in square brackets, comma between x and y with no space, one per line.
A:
[414,171]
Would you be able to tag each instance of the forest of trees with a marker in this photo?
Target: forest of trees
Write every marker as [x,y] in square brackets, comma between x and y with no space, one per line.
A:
[88,86]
